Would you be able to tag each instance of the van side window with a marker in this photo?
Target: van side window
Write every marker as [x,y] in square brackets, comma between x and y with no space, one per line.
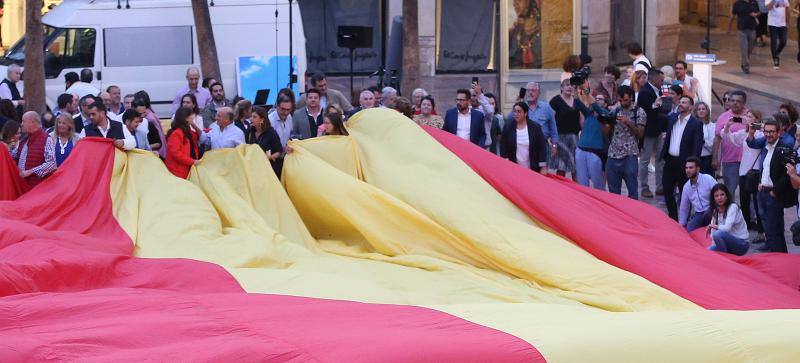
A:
[70,48]
[151,46]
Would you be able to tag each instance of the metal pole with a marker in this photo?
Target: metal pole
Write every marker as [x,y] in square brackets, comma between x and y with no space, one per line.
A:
[708,27]
[292,78]
[352,50]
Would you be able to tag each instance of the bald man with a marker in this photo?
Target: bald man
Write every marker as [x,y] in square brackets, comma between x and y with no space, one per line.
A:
[193,87]
[105,97]
[35,155]
[223,133]
[8,87]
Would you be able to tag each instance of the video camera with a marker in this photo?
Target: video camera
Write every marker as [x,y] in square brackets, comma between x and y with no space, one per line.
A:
[580,76]
[788,155]
[609,118]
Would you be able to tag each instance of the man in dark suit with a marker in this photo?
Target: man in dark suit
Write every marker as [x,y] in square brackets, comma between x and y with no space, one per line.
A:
[465,122]
[684,139]
[81,119]
[775,191]
[656,123]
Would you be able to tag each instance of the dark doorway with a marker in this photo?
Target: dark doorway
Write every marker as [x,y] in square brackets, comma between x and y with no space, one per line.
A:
[626,27]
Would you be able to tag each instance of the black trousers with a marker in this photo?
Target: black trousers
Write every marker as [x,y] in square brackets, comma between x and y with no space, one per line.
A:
[777,40]
[745,197]
[674,176]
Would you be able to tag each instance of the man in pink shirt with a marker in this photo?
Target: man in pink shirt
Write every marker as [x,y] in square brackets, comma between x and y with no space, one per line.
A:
[729,154]
[201,94]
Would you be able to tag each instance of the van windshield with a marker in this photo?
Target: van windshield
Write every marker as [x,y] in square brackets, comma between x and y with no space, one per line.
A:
[64,48]
[16,54]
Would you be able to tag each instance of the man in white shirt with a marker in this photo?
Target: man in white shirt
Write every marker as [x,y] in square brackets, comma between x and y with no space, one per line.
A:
[695,198]
[684,139]
[640,62]
[8,87]
[776,19]
[479,101]
[775,191]
[102,126]
[84,86]
[223,133]
[282,121]
[691,86]
[464,121]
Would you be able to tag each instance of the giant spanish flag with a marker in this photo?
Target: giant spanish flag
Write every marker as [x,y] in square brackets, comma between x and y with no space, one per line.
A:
[385,245]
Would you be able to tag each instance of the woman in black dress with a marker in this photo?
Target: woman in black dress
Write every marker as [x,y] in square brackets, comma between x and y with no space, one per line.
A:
[569,121]
[266,137]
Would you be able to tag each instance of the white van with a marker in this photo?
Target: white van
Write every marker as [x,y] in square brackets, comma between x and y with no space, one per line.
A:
[150,45]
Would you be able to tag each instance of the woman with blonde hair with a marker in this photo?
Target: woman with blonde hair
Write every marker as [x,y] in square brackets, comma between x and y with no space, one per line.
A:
[63,137]
[638,80]
[703,113]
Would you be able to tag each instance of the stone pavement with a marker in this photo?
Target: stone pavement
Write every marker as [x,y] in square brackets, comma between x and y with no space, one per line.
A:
[766,87]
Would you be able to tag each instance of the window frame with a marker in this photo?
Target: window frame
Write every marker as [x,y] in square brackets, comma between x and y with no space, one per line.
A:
[106,47]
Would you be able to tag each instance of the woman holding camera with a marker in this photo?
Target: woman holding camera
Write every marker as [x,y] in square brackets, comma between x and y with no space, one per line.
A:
[752,119]
[523,142]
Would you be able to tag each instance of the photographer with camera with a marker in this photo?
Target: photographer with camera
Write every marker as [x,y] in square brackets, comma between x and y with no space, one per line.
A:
[775,190]
[628,122]
[591,149]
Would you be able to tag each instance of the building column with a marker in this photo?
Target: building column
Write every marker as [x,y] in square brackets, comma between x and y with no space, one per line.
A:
[598,30]
[662,31]
[427,38]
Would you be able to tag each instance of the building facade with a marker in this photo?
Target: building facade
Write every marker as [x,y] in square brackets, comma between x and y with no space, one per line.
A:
[461,39]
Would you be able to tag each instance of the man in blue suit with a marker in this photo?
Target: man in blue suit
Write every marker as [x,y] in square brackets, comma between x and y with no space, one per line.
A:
[465,122]
[684,139]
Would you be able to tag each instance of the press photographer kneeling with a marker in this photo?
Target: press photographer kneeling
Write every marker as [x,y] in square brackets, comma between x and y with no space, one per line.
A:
[775,190]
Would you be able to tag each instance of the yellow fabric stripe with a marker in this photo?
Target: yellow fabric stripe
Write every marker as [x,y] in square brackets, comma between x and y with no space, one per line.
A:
[387,215]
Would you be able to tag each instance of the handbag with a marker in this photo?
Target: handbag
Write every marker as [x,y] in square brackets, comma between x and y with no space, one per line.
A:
[752,178]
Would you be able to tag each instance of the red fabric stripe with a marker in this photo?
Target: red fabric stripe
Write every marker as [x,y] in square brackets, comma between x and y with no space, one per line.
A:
[11,184]
[628,234]
[70,290]
[782,267]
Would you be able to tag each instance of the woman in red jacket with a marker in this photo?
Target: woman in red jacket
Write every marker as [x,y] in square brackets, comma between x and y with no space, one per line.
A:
[182,150]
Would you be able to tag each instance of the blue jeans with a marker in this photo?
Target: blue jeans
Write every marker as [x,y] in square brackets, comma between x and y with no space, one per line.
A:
[771,211]
[589,167]
[726,242]
[696,221]
[626,168]
[730,176]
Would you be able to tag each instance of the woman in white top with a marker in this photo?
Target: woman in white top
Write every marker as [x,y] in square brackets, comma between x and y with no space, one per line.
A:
[703,113]
[749,162]
[727,229]
[523,142]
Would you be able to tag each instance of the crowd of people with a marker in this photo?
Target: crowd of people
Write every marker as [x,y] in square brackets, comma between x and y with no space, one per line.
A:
[601,136]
